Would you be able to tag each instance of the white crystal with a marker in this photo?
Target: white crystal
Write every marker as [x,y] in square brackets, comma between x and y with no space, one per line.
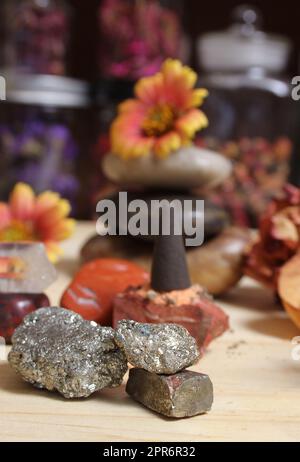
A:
[25,268]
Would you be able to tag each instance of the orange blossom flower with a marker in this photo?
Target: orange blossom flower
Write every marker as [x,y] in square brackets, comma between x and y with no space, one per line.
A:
[40,218]
[163,116]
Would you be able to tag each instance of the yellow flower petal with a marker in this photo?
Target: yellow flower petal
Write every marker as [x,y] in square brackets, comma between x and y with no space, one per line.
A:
[198,96]
[22,202]
[16,231]
[50,207]
[167,144]
[45,202]
[192,122]
[141,148]
[66,229]
[54,251]
[61,210]
[173,68]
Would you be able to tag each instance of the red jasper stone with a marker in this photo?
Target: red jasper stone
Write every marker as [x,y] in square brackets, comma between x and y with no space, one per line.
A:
[14,307]
[95,286]
[203,318]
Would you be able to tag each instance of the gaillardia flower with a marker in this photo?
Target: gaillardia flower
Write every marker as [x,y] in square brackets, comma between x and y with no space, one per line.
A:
[42,218]
[163,117]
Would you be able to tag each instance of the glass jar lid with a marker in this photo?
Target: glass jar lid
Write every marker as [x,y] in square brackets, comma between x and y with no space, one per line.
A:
[243,46]
[46,90]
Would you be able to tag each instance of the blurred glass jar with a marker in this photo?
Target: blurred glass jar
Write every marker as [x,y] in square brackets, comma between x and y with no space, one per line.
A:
[36,36]
[251,111]
[138,35]
[40,134]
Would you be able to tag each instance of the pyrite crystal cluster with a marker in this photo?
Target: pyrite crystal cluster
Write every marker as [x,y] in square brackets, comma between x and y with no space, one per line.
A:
[25,272]
[157,348]
[180,395]
[57,350]
[159,381]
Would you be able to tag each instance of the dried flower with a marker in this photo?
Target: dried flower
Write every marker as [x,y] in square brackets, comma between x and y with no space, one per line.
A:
[136,37]
[39,36]
[260,167]
[279,238]
[289,288]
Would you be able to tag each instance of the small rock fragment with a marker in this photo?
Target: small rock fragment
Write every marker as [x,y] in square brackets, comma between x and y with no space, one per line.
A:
[218,265]
[185,394]
[56,349]
[157,348]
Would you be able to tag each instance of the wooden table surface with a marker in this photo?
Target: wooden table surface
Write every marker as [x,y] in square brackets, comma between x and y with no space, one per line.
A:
[256,382]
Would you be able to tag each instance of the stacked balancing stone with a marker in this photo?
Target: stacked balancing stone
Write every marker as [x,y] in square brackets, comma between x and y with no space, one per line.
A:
[25,272]
[172,178]
[55,349]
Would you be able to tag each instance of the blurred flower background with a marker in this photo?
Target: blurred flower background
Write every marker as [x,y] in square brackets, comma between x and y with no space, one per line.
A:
[68,64]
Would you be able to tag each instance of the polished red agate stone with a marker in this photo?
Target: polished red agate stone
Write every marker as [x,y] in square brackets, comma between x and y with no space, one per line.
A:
[191,308]
[14,307]
[95,286]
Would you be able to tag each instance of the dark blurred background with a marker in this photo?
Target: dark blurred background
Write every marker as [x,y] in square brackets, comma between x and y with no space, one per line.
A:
[198,17]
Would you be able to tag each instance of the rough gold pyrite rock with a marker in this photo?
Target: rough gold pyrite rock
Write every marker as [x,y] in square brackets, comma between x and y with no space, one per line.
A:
[185,394]
[157,348]
[57,350]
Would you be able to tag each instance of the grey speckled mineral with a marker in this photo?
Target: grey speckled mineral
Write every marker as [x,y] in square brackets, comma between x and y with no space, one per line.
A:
[56,349]
[157,348]
[181,395]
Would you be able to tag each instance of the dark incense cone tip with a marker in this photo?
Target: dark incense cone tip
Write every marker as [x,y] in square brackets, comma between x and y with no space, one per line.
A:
[169,268]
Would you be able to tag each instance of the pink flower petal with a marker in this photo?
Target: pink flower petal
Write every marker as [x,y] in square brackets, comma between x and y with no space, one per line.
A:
[5,216]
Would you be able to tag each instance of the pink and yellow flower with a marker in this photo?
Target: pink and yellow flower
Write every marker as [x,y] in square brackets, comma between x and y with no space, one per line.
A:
[42,218]
[163,116]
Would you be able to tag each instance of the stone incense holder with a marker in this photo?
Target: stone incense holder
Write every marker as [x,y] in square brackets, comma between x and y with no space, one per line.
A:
[171,297]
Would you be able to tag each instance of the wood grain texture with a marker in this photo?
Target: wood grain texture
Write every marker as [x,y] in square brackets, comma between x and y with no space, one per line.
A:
[256,384]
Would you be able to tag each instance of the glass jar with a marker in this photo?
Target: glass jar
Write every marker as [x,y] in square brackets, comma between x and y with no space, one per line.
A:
[40,135]
[250,110]
[138,35]
[36,36]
